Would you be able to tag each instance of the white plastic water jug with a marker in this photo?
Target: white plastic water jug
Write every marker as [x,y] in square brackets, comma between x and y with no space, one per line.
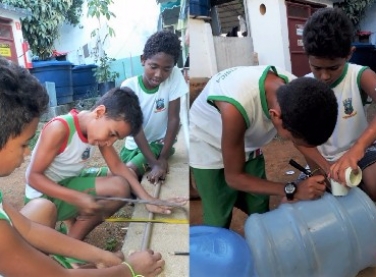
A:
[331,236]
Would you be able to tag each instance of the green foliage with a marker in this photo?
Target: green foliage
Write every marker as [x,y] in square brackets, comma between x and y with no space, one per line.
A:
[110,244]
[98,8]
[75,12]
[41,28]
[103,72]
[355,9]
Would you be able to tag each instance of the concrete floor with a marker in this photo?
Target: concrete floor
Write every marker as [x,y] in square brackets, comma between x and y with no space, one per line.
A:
[166,238]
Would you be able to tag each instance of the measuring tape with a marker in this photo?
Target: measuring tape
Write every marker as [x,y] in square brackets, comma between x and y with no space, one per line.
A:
[164,220]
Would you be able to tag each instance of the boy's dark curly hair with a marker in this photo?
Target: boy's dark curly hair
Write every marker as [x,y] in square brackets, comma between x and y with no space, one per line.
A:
[122,104]
[308,109]
[328,33]
[163,41]
[22,99]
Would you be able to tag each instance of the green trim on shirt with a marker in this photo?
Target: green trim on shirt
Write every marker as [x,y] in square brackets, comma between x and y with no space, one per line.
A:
[232,101]
[142,85]
[262,80]
[72,128]
[363,94]
[339,80]
[3,215]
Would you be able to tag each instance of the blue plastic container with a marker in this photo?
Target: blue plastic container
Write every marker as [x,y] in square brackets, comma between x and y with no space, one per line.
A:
[84,83]
[364,54]
[199,8]
[331,236]
[218,252]
[59,72]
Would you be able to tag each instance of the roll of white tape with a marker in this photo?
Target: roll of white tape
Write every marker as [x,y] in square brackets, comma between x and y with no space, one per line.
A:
[353,179]
[338,189]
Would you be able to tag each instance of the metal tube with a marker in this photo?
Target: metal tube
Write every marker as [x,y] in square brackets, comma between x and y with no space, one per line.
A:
[147,231]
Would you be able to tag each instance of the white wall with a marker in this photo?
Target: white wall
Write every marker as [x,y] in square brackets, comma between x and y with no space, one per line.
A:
[369,23]
[201,50]
[135,21]
[269,32]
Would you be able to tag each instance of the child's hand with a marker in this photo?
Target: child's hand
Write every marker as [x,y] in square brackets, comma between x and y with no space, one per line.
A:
[181,201]
[311,188]
[87,205]
[158,171]
[146,263]
[108,259]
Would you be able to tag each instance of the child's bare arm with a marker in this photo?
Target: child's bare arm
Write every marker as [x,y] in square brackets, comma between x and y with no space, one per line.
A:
[168,141]
[21,259]
[158,169]
[233,131]
[172,127]
[117,167]
[51,139]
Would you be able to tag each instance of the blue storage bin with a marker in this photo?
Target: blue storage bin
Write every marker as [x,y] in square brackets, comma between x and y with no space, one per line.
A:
[199,8]
[59,72]
[364,54]
[84,83]
[218,252]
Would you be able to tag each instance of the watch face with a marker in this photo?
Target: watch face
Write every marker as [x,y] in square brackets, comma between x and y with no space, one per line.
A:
[290,188]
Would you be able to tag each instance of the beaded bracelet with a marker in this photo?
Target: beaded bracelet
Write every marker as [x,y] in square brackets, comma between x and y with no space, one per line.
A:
[132,271]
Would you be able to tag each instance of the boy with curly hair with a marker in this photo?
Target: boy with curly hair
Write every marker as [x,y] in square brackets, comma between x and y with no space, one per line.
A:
[240,110]
[159,90]
[327,38]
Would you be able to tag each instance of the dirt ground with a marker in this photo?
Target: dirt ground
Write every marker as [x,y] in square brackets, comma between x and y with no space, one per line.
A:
[108,235]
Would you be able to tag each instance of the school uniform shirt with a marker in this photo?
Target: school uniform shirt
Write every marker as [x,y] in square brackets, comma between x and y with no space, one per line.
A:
[72,158]
[352,118]
[3,214]
[154,104]
[244,87]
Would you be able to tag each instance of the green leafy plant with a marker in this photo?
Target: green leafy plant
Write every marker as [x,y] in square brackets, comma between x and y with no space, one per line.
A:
[110,244]
[41,28]
[99,9]
[103,72]
[355,9]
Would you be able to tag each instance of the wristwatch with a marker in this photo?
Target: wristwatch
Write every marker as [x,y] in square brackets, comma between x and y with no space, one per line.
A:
[290,190]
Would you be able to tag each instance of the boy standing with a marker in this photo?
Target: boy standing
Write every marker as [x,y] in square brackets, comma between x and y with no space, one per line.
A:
[240,110]
[327,39]
[159,90]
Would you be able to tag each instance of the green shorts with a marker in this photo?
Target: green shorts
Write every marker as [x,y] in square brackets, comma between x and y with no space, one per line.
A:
[138,159]
[83,183]
[218,199]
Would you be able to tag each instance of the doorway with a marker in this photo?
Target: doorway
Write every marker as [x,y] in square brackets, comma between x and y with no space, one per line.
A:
[7,46]
[297,15]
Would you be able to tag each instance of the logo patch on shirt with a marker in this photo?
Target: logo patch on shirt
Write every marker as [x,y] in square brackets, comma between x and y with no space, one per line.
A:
[86,154]
[159,105]
[348,108]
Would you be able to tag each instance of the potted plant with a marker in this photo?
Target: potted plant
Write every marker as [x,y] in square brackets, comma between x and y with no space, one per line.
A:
[104,74]
[363,36]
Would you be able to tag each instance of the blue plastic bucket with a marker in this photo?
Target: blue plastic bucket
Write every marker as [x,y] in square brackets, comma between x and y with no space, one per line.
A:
[218,252]
[84,83]
[199,8]
[331,236]
[59,72]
